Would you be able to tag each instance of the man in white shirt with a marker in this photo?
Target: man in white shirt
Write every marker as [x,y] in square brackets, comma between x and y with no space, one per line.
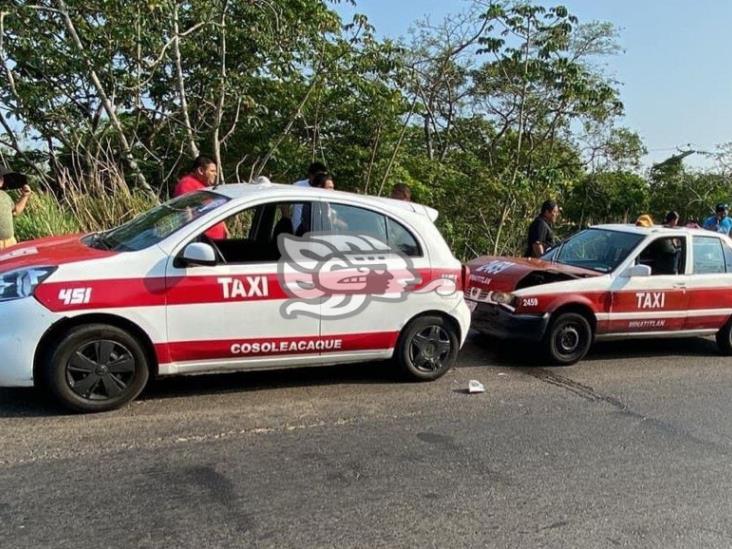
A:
[313,170]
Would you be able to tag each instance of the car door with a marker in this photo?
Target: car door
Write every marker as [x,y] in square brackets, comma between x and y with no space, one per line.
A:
[710,280]
[368,310]
[229,315]
[655,303]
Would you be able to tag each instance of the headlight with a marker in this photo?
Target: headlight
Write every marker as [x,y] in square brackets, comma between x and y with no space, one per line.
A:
[23,282]
[503,298]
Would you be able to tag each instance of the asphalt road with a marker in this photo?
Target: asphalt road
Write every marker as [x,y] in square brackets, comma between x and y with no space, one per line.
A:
[632,447]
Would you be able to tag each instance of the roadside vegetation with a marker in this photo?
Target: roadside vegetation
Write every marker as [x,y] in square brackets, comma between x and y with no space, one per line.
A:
[484,114]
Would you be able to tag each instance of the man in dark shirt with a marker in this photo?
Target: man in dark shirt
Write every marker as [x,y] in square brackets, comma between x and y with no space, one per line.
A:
[541,236]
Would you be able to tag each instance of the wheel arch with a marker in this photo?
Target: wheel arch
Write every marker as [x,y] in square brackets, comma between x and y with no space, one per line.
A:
[447,316]
[579,308]
[57,330]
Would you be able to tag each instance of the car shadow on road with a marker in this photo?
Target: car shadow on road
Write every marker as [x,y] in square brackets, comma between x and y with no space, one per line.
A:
[644,348]
[30,402]
[236,382]
[27,402]
[526,354]
[478,352]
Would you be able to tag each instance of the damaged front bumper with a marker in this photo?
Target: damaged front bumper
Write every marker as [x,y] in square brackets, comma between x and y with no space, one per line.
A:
[497,321]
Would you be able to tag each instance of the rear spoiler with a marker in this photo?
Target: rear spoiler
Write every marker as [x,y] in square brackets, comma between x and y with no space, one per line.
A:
[429,212]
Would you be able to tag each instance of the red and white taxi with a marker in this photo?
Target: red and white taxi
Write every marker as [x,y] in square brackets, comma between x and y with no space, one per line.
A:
[609,281]
[91,317]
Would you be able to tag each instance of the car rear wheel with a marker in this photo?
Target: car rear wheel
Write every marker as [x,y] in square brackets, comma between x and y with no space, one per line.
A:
[724,338]
[95,368]
[568,339]
[427,348]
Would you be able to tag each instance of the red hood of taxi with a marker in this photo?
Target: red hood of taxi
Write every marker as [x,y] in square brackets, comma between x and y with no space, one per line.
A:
[50,251]
[504,273]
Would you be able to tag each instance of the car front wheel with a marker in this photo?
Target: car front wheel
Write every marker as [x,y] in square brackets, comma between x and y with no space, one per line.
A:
[568,339]
[96,368]
[427,348]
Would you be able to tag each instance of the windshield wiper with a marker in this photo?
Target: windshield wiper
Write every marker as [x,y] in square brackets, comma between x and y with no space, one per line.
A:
[98,241]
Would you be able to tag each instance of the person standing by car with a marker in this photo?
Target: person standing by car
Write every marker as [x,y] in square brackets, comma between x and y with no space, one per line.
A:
[541,236]
[720,221]
[671,220]
[669,249]
[320,181]
[315,169]
[324,181]
[401,191]
[203,174]
[10,209]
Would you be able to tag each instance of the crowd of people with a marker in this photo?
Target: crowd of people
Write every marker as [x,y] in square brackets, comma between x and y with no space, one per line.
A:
[541,235]
[204,173]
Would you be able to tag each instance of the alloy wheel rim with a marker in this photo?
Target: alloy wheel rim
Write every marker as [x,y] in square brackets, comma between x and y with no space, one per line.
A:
[100,370]
[430,348]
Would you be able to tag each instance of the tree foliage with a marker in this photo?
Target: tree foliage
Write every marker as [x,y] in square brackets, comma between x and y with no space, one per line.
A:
[484,114]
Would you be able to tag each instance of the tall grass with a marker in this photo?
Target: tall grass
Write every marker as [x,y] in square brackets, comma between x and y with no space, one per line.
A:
[98,200]
[45,216]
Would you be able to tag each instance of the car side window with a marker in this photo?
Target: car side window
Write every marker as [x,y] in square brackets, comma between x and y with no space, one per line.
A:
[727,256]
[341,219]
[399,238]
[709,257]
[665,256]
[253,232]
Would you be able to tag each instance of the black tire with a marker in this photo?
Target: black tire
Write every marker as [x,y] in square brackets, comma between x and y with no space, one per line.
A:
[568,339]
[427,348]
[95,368]
[724,338]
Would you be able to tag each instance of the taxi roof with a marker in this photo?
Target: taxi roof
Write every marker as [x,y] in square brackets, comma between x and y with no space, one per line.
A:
[237,191]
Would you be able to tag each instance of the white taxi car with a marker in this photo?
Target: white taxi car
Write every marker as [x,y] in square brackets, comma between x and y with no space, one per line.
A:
[608,282]
[91,318]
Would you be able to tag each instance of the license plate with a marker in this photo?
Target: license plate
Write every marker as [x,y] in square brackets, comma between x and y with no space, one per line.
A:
[471,305]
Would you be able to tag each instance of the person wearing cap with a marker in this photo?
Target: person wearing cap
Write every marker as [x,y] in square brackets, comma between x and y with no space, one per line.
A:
[719,222]
[8,208]
[541,236]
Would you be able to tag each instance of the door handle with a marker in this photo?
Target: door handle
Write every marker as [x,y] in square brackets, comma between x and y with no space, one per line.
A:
[679,284]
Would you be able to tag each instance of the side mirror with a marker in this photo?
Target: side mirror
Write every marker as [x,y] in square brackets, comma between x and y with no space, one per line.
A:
[198,253]
[637,270]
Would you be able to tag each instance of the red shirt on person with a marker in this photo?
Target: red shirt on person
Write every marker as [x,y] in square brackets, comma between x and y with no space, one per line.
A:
[189,184]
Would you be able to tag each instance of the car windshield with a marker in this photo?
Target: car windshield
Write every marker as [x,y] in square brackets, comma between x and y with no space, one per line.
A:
[158,223]
[595,249]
